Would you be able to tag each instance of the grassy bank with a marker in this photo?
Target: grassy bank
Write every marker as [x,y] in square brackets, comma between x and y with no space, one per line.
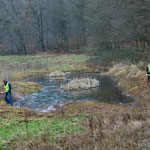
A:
[87,125]
[128,66]
[19,128]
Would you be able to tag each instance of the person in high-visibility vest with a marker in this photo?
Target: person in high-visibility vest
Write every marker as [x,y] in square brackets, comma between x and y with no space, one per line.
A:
[148,72]
[8,90]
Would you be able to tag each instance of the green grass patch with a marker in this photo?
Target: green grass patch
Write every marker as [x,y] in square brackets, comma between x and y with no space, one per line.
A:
[20,67]
[27,87]
[14,128]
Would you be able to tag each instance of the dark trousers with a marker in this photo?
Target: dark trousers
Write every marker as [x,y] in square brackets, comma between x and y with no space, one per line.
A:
[8,101]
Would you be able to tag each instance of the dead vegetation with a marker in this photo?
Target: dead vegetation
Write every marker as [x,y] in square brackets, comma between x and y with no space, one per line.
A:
[9,112]
[119,128]
[130,70]
[81,84]
[57,75]
[132,78]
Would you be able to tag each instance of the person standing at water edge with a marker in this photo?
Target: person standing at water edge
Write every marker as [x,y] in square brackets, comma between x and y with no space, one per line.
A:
[148,72]
[8,90]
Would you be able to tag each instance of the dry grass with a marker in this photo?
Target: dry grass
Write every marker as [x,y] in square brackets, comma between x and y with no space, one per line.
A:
[132,78]
[108,127]
[113,132]
[81,84]
[9,112]
[56,74]
[130,70]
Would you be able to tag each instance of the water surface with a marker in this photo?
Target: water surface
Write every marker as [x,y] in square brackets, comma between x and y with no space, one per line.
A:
[52,96]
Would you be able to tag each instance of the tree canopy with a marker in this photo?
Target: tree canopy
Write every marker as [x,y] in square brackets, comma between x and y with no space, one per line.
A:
[63,25]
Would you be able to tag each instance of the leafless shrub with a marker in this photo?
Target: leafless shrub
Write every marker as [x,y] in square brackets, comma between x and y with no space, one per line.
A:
[26,122]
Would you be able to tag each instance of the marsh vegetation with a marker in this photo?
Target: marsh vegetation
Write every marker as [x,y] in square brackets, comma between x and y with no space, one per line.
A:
[81,84]
[117,122]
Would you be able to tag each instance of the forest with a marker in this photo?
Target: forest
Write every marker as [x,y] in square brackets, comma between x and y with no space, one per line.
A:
[64,26]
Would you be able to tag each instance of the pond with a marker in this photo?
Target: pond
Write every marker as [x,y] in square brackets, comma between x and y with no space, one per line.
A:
[52,96]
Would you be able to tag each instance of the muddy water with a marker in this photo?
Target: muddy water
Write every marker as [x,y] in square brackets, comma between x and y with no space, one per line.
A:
[52,97]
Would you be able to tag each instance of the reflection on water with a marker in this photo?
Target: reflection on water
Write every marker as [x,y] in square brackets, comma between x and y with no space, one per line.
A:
[52,97]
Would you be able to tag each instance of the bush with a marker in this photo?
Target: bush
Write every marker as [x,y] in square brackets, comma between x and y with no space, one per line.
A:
[81,84]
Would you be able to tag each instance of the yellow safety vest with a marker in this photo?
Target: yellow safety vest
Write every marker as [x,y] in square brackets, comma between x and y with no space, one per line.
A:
[6,87]
[148,68]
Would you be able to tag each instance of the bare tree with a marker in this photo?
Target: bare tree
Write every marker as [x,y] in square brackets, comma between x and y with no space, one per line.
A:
[37,15]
